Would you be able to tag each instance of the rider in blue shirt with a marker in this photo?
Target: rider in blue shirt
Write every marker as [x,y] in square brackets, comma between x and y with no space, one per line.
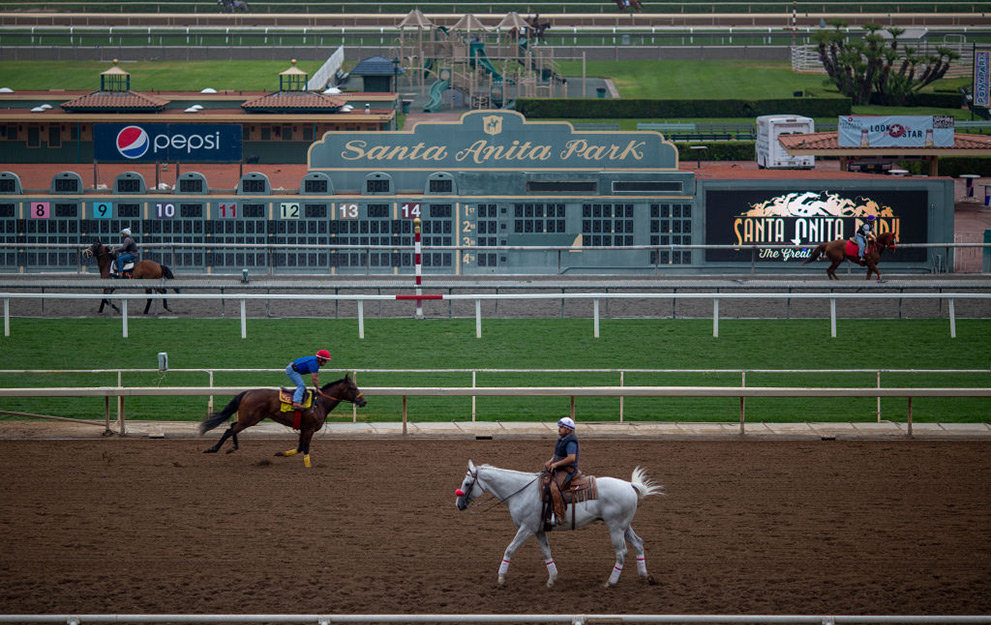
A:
[565,459]
[306,364]
[864,233]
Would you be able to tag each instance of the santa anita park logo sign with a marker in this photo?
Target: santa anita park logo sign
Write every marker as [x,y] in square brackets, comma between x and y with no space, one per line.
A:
[493,140]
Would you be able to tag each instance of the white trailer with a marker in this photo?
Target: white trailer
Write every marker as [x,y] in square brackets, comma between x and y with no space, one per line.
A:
[770,154]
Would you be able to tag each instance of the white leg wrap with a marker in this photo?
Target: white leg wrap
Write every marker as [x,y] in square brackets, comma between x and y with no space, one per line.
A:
[551,568]
[642,566]
[614,577]
[503,567]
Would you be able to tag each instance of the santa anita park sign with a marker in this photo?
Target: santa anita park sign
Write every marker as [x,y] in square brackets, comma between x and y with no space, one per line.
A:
[493,140]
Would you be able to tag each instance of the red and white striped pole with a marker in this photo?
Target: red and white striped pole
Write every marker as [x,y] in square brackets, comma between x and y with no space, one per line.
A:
[417,262]
[794,21]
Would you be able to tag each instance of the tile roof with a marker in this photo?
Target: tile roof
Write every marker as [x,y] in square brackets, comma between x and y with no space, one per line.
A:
[294,101]
[113,101]
[821,141]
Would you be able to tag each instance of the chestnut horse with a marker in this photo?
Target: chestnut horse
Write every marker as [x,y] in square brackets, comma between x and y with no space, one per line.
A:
[623,5]
[258,404]
[143,270]
[842,249]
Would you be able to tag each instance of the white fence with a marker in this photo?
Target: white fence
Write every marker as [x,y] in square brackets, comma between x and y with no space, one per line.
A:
[572,392]
[595,298]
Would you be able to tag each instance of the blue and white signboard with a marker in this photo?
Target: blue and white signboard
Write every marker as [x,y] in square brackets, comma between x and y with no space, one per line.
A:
[982,76]
[167,143]
[896,131]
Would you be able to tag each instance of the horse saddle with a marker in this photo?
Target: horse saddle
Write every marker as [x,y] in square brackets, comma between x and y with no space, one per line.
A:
[852,249]
[285,399]
[581,488]
[126,270]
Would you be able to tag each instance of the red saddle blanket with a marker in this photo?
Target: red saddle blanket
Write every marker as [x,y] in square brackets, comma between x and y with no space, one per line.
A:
[852,249]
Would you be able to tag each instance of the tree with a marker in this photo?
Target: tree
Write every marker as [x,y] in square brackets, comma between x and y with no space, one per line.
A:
[875,68]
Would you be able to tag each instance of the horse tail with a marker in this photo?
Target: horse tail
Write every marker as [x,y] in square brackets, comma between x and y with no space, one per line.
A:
[816,253]
[168,275]
[219,417]
[644,485]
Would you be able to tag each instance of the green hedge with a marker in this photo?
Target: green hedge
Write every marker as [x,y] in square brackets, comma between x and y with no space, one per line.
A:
[956,165]
[942,100]
[610,108]
[719,151]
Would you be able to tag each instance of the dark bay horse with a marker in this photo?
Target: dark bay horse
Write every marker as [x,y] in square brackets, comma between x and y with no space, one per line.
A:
[255,405]
[843,249]
[143,270]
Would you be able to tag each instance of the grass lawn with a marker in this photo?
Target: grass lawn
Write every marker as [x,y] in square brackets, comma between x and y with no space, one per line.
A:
[634,79]
[514,344]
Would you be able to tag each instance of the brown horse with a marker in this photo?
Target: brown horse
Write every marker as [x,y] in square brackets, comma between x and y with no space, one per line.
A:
[842,249]
[623,5]
[255,405]
[143,270]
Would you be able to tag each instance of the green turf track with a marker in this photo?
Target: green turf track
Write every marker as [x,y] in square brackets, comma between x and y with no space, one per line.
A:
[516,344]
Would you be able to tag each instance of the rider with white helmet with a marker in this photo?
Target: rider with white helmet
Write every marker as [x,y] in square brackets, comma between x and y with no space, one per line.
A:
[126,252]
[865,233]
[564,461]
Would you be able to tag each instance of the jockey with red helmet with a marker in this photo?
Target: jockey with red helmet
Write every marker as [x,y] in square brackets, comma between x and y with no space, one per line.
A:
[864,233]
[306,364]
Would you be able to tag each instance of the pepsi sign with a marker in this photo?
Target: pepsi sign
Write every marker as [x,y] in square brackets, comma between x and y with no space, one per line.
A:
[167,143]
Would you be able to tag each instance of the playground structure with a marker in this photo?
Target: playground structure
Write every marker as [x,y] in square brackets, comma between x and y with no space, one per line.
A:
[481,66]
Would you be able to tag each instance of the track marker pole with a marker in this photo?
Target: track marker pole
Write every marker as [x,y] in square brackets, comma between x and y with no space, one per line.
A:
[417,256]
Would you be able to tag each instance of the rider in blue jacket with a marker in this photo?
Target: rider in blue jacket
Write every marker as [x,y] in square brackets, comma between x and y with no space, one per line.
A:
[306,364]
[864,233]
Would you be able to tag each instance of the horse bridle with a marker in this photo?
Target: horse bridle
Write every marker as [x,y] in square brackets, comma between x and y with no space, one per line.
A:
[471,486]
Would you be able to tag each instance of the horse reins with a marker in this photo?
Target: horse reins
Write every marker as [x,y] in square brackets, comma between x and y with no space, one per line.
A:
[498,500]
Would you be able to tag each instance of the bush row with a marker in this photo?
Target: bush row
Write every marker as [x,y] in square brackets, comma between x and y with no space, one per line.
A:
[610,108]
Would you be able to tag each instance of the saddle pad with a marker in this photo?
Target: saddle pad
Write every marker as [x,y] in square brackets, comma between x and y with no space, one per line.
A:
[852,249]
[585,491]
[285,399]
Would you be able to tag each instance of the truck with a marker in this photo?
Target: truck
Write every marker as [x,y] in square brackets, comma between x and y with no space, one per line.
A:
[770,154]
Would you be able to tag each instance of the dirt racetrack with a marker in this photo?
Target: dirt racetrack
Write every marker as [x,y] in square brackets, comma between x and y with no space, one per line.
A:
[759,527]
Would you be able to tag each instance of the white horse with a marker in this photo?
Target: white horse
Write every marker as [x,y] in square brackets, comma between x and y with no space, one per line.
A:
[616,506]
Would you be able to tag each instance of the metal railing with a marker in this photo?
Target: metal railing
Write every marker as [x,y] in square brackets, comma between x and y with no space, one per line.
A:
[621,374]
[576,6]
[594,298]
[20,264]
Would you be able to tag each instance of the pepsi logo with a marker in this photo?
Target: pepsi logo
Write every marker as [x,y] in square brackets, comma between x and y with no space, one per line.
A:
[132,142]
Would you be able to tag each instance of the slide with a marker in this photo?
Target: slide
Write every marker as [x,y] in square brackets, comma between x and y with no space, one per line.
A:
[546,74]
[477,55]
[436,96]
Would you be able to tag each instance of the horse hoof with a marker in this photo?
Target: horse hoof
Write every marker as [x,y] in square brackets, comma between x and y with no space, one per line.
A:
[279,454]
[550,583]
[502,581]
[651,581]
[210,451]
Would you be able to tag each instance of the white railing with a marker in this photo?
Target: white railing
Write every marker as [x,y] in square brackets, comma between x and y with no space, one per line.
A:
[621,379]
[595,298]
[573,619]
[740,392]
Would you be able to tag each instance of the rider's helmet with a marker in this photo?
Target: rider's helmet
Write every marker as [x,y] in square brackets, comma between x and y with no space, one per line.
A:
[870,218]
[323,355]
[566,422]
[126,232]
